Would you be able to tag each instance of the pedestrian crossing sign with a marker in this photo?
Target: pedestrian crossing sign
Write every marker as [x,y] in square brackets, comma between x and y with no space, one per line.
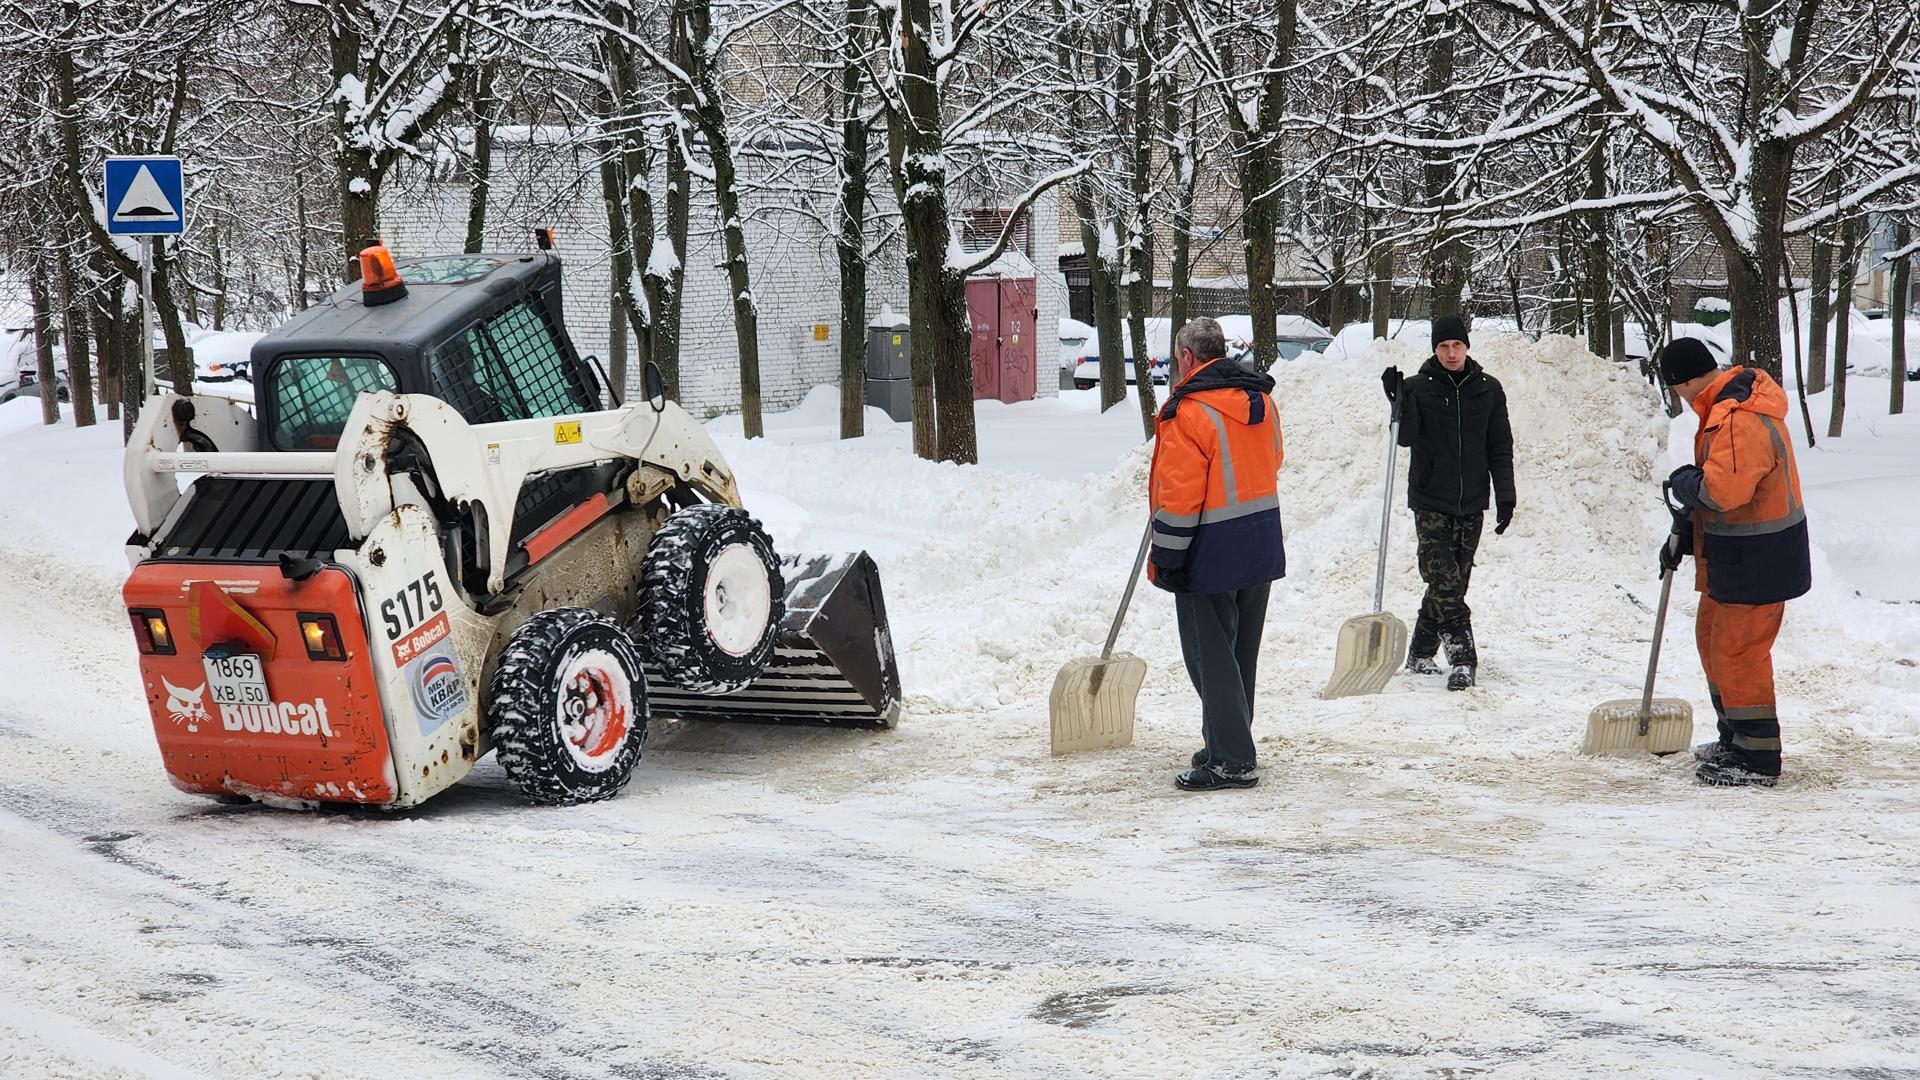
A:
[146,196]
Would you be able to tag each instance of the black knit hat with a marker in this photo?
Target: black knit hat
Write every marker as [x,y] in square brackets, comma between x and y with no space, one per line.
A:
[1685,359]
[1450,328]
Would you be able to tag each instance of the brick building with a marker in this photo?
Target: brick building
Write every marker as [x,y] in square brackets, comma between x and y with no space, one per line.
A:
[543,177]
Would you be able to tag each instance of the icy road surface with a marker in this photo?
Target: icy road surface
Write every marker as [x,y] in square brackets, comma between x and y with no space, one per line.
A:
[1425,885]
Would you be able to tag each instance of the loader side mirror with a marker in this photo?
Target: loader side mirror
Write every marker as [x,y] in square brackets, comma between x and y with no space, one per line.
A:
[654,385]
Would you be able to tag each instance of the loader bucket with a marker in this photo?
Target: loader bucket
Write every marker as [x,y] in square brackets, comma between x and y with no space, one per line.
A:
[833,659]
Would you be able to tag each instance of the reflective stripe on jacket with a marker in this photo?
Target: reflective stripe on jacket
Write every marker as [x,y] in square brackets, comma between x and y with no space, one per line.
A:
[1749,523]
[1213,489]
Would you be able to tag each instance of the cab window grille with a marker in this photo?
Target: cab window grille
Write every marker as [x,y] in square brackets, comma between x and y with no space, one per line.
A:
[510,368]
[312,396]
[534,365]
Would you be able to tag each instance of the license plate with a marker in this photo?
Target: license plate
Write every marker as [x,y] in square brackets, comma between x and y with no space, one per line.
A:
[236,680]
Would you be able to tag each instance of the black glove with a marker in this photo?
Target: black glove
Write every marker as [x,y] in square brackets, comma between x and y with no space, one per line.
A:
[1689,485]
[1502,517]
[1678,546]
[1171,578]
[1390,382]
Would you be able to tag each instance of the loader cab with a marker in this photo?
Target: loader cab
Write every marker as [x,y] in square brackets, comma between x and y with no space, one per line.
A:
[483,333]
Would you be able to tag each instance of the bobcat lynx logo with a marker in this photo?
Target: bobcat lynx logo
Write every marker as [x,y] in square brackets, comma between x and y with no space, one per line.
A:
[186,706]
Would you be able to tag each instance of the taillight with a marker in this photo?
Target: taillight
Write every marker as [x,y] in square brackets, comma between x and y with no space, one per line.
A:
[151,632]
[322,637]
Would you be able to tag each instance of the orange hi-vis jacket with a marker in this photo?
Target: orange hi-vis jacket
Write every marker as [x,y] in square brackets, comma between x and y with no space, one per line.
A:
[1214,486]
[1749,523]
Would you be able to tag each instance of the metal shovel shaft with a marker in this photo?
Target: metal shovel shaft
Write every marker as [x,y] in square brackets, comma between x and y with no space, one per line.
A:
[1653,655]
[1120,616]
[1386,510]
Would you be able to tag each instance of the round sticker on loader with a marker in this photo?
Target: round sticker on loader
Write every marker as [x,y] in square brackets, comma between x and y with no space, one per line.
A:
[438,690]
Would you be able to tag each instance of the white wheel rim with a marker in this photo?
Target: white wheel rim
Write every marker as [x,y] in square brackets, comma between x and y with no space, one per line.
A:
[595,709]
[739,599]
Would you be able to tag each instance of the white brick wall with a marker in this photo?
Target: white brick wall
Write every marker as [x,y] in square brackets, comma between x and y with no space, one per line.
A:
[794,272]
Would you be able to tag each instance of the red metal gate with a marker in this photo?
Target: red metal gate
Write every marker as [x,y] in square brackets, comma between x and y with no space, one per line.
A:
[983,310]
[1005,351]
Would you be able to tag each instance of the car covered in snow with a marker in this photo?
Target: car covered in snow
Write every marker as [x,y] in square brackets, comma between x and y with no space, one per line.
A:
[20,367]
[1298,336]
[1086,367]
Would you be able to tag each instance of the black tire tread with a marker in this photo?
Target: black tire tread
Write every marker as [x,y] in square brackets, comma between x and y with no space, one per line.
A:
[519,707]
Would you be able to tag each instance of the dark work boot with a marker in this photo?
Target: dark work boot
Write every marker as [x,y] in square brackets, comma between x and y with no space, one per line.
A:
[1716,753]
[1731,773]
[1205,779]
[1421,645]
[1463,661]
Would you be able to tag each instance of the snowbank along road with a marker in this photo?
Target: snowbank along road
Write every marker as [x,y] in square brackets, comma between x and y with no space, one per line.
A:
[1426,884]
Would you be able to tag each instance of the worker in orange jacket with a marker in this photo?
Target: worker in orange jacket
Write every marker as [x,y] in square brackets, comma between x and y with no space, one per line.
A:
[1748,539]
[1217,542]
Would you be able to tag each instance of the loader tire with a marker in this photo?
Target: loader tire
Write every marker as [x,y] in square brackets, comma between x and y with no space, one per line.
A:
[568,707]
[711,598]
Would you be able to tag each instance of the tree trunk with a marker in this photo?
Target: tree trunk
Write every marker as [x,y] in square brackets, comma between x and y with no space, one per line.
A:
[1843,323]
[1186,174]
[1799,365]
[43,342]
[1513,297]
[179,359]
[1106,297]
[746,312]
[1337,289]
[617,345]
[850,233]
[1449,262]
[1380,296]
[1819,308]
[132,376]
[482,165]
[1139,252]
[1599,247]
[614,187]
[1900,285]
[300,211]
[219,280]
[73,307]
[1259,229]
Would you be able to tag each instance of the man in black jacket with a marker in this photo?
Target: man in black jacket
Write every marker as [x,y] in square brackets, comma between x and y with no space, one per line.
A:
[1454,417]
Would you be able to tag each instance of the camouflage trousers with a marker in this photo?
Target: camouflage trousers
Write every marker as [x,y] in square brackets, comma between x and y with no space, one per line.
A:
[1446,549]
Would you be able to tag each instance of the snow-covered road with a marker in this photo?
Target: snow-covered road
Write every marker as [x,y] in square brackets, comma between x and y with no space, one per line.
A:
[1426,884]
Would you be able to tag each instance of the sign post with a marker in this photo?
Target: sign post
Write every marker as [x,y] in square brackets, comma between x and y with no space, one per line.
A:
[146,197]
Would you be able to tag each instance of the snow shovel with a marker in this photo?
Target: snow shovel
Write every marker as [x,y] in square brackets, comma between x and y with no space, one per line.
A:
[1371,647]
[1657,726]
[1093,696]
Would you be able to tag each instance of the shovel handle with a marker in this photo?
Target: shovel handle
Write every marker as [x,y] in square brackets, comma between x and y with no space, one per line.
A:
[1126,598]
[1386,508]
[1653,657]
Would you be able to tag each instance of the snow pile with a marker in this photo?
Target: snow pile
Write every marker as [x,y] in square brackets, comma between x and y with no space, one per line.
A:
[994,580]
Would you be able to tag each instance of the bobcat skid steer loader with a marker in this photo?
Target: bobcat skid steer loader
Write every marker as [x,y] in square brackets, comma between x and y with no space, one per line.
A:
[428,540]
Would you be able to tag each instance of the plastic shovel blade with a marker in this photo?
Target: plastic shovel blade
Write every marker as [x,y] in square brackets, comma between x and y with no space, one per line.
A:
[1616,727]
[1092,702]
[1368,652]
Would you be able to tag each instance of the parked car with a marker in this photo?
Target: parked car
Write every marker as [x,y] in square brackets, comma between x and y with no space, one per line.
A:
[20,375]
[1086,363]
[1298,335]
[1636,348]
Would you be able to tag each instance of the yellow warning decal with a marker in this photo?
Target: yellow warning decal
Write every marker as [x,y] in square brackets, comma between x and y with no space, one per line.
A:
[566,432]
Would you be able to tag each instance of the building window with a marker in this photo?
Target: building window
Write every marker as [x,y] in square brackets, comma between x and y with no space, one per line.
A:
[981,227]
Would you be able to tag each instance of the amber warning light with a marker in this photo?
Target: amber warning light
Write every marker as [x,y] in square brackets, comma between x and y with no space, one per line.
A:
[380,281]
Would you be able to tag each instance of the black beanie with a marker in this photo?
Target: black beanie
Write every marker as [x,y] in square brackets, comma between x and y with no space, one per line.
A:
[1684,359]
[1450,328]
